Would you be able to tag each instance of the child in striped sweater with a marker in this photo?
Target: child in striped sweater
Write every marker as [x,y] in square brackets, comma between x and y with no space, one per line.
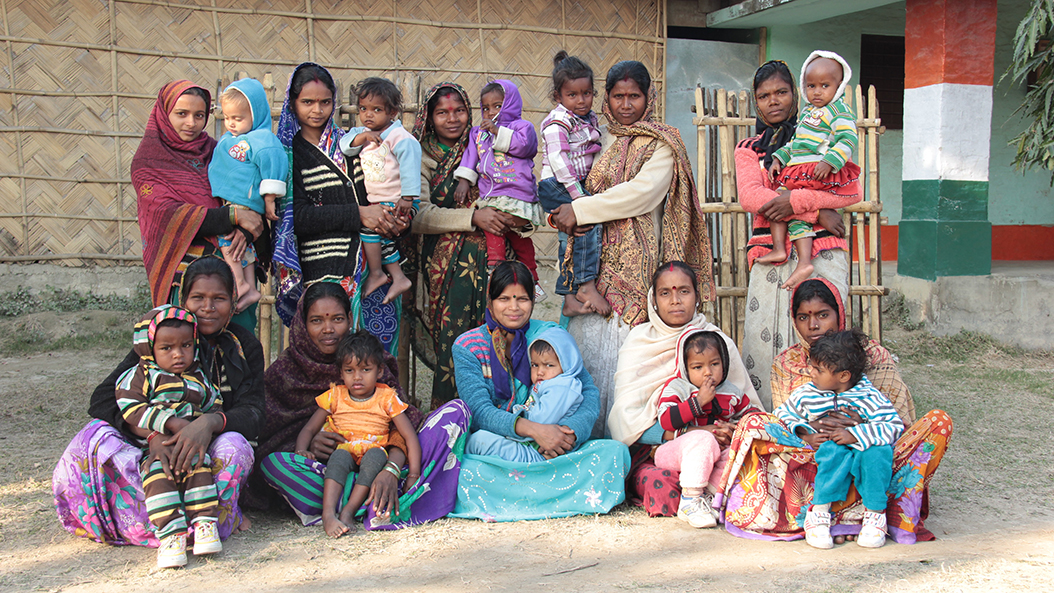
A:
[818,157]
[852,426]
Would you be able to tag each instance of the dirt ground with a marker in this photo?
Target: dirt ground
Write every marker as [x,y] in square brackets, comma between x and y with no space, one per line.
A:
[991,508]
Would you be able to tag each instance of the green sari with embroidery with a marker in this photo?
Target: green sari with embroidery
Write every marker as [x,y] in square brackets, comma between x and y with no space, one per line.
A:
[453,265]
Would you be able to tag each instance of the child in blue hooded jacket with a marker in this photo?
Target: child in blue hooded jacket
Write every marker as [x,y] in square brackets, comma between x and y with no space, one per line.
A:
[555,395]
[249,169]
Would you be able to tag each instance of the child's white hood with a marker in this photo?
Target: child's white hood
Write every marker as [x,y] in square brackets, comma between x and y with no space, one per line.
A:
[847,72]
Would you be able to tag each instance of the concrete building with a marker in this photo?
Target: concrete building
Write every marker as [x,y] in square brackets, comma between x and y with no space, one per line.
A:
[972,239]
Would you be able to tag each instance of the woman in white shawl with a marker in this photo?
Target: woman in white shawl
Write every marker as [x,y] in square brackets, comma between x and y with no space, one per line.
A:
[645,361]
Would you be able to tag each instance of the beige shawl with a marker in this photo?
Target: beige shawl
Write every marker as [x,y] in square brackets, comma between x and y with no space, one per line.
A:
[646,360]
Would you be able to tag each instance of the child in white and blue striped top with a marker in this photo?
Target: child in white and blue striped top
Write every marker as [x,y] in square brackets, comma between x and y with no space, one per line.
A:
[852,426]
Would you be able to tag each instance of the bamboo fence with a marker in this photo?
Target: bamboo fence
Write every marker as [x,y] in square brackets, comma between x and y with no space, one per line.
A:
[78,79]
[724,118]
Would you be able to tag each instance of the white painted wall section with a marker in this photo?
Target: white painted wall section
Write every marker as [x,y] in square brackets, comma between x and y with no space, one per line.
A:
[947,132]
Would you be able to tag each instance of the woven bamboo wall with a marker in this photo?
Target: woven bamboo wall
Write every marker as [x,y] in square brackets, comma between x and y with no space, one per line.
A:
[79,78]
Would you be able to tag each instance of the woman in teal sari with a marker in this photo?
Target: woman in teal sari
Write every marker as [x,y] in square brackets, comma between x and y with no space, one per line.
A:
[492,371]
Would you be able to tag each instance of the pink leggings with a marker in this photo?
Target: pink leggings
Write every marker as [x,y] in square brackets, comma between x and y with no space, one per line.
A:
[698,457]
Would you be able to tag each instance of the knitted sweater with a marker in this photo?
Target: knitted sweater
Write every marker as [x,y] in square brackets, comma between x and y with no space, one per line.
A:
[325,213]
[825,134]
[881,425]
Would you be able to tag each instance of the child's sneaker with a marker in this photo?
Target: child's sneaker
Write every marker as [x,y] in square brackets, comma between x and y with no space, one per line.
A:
[873,533]
[696,512]
[206,538]
[818,529]
[172,553]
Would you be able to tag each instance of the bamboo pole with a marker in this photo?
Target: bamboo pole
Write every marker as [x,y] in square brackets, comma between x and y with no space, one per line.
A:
[727,183]
[875,198]
[18,134]
[116,109]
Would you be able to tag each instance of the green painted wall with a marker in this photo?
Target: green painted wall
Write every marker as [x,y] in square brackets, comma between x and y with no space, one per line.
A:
[1013,198]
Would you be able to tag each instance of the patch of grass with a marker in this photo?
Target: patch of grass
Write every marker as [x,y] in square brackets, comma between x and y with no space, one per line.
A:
[21,301]
[35,342]
[961,347]
[895,310]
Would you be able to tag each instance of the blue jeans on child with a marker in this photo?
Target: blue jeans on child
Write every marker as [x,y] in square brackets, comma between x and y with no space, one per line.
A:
[838,466]
[585,250]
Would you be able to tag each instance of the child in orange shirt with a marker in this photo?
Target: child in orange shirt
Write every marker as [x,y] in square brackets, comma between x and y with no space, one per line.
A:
[360,410]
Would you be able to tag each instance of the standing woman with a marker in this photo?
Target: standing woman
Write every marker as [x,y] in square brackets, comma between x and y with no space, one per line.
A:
[768,327]
[449,236]
[644,194]
[179,218]
[318,237]
[97,486]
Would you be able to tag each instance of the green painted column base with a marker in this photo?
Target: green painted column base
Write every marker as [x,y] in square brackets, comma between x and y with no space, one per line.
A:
[931,248]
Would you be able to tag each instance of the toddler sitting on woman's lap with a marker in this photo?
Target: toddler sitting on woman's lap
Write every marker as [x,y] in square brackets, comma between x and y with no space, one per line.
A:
[555,395]
[862,453]
[360,410]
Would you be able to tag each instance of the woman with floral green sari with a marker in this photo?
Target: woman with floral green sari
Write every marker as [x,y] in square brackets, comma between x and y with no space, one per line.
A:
[452,264]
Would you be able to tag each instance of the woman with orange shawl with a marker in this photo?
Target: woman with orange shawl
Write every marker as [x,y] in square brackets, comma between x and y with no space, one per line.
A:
[178,216]
[768,483]
[644,194]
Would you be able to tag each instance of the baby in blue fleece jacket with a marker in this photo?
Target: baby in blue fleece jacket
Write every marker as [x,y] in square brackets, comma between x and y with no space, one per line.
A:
[249,169]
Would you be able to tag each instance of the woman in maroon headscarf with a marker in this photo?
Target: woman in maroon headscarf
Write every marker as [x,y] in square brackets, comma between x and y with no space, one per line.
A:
[178,216]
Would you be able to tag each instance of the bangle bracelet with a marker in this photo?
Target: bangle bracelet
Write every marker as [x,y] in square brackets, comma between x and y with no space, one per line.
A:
[224,416]
[151,437]
[389,469]
[231,216]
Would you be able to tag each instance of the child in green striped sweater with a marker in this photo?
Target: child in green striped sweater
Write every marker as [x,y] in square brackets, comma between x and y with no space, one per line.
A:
[819,157]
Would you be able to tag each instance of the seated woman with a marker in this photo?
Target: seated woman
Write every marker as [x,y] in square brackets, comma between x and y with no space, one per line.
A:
[306,369]
[646,360]
[493,374]
[767,484]
[97,486]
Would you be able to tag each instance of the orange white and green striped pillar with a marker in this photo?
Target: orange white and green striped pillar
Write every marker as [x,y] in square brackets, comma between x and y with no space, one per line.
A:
[949,68]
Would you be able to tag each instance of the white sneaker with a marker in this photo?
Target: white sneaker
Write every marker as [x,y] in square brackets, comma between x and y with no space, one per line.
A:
[206,538]
[696,512]
[172,553]
[818,530]
[873,533]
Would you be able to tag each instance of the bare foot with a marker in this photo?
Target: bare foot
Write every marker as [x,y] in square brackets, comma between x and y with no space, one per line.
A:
[334,527]
[841,539]
[400,285]
[799,275]
[574,307]
[776,256]
[588,293]
[247,298]
[245,525]
[375,280]
[347,519]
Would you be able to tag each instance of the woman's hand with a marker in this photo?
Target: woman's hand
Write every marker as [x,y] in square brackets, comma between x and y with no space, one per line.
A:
[251,221]
[384,492]
[161,452]
[324,443]
[238,244]
[564,218]
[721,430]
[836,420]
[779,208]
[490,220]
[381,221]
[553,439]
[832,221]
[191,443]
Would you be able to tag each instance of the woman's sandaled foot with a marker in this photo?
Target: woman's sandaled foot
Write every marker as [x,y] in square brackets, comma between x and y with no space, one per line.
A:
[374,281]
[773,257]
[334,527]
[589,295]
[574,307]
[799,275]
